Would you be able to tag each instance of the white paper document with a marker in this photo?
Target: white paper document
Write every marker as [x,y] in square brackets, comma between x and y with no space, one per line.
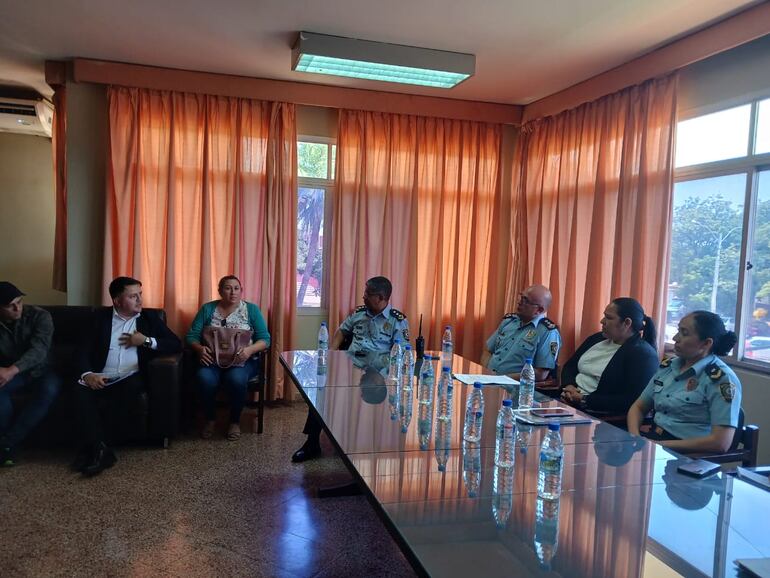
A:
[471,378]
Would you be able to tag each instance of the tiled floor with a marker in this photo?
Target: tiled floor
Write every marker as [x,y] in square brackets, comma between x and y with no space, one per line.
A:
[201,508]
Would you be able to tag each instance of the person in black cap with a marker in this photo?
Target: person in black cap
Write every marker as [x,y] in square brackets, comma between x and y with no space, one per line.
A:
[25,340]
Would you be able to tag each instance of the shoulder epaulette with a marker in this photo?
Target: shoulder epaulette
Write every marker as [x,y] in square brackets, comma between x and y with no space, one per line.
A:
[548,323]
[666,362]
[714,372]
[509,315]
[397,314]
[360,308]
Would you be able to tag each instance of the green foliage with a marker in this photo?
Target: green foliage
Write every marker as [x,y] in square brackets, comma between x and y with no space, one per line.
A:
[312,160]
[704,227]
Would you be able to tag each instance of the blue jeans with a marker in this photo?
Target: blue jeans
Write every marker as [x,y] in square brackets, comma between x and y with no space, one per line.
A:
[235,382]
[42,393]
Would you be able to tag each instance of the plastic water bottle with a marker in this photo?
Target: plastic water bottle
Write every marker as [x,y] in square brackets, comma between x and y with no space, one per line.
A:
[323,337]
[551,461]
[395,360]
[546,531]
[406,393]
[445,392]
[523,435]
[504,440]
[527,385]
[443,440]
[474,414]
[394,394]
[472,467]
[502,495]
[447,347]
[425,402]
[407,368]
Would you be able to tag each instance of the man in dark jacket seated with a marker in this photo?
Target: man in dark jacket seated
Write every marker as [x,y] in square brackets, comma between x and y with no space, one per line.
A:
[611,368]
[113,361]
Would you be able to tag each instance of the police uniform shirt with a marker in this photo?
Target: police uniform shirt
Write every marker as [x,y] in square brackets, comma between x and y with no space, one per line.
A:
[688,404]
[514,341]
[375,332]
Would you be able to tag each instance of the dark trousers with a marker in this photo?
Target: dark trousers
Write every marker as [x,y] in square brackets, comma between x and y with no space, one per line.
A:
[312,429]
[120,399]
[42,392]
[235,381]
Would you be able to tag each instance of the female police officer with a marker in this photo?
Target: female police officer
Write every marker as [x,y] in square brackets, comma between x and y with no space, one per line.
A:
[696,396]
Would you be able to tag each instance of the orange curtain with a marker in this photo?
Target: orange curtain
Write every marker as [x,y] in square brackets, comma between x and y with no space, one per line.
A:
[592,202]
[198,187]
[418,200]
[60,187]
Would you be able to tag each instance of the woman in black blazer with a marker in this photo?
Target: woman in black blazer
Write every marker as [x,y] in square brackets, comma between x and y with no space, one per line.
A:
[611,368]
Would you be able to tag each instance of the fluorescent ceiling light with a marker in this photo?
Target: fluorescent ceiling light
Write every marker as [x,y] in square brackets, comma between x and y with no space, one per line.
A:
[338,56]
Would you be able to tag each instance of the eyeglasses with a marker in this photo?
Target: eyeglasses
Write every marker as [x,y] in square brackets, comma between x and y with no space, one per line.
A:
[526,301]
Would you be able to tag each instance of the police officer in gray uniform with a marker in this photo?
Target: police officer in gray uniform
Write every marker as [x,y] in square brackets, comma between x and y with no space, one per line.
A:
[525,333]
[696,396]
[370,330]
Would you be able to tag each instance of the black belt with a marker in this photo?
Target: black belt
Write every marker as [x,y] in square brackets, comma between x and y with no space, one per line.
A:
[659,434]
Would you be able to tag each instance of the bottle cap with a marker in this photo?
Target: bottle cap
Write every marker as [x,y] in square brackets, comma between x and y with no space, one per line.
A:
[407,346]
[477,385]
[323,323]
[528,360]
[553,426]
[427,357]
[397,340]
[448,327]
[509,403]
[445,368]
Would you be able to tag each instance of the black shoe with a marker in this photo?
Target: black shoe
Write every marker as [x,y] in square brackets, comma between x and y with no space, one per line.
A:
[7,457]
[101,459]
[308,451]
[82,459]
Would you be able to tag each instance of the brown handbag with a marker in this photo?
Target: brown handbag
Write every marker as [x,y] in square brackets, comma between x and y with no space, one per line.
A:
[224,342]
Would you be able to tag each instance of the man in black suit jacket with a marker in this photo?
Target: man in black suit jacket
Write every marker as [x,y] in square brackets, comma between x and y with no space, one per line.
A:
[113,361]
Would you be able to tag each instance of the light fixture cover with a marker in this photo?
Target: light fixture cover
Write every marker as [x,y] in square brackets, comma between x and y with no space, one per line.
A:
[339,56]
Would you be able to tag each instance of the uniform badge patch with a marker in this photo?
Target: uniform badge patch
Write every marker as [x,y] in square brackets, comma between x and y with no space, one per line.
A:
[554,348]
[714,372]
[387,326]
[666,362]
[530,334]
[692,384]
[406,334]
[727,390]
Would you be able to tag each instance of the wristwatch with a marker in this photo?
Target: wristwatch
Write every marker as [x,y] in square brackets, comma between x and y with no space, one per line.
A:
[147,342]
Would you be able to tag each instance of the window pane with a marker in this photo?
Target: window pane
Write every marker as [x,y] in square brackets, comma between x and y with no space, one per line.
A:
[312,159]
[757,345]
[713,137]
[763,128]
[706,247]
[334,160]
[310,226]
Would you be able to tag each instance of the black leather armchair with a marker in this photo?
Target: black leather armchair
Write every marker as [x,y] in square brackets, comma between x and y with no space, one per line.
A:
[158,410]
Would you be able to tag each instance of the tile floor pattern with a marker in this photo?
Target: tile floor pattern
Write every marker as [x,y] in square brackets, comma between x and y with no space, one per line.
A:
[201,508]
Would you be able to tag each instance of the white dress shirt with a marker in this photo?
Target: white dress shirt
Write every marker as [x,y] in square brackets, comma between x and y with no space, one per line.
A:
[122,361]
[593,363]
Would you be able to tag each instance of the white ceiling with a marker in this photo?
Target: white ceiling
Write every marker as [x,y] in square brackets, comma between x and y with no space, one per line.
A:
[525,49]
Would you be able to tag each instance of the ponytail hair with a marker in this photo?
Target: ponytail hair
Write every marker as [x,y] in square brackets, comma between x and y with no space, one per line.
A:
[630,308]
[709,325]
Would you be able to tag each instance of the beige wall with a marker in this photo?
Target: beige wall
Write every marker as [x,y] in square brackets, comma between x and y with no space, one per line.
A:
[28,216]
[86,150]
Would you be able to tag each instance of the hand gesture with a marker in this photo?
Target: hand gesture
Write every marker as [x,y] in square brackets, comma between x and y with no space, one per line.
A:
[205,355]
[134,339]
[95,381]
[7,374]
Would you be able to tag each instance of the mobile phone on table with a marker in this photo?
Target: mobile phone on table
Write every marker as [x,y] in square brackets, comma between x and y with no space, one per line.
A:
[551,412]
[698,468]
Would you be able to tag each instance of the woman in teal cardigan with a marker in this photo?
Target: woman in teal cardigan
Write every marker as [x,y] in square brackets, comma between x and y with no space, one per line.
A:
[229,311]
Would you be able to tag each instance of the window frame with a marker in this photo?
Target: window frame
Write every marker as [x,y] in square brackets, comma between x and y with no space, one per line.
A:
[750,165]
[328,185]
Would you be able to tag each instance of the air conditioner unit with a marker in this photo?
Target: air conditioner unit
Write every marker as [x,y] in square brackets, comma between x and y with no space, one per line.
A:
[26,116]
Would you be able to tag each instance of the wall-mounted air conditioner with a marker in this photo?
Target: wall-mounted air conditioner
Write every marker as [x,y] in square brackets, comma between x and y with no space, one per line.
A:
[26,116]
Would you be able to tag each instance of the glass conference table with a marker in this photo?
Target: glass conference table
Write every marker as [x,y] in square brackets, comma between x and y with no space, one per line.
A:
[624,508]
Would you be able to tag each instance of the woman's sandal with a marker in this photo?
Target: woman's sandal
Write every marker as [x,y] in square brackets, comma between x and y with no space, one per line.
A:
[234,432]
[208,430]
